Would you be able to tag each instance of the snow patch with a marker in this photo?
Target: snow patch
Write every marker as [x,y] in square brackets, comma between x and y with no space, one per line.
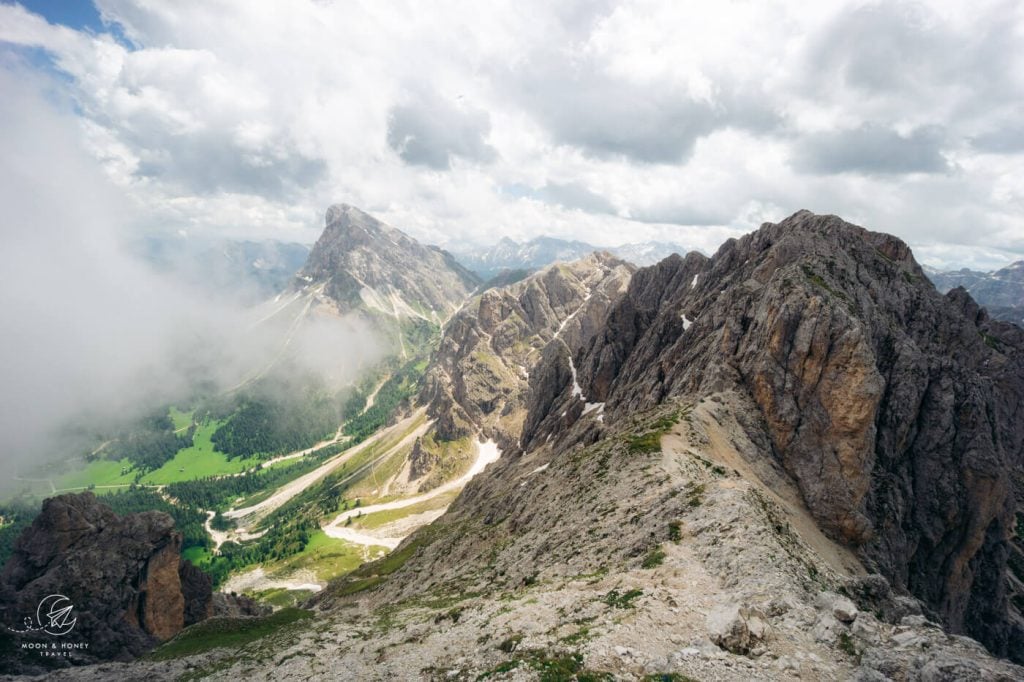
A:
[694,282]
[686,322]
[577,392]
[590,407]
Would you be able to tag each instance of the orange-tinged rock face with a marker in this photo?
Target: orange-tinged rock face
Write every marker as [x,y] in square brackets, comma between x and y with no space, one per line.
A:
[163,605]
[819,391]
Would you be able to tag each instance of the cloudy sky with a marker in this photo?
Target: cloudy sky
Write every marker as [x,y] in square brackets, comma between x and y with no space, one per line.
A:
[603,121]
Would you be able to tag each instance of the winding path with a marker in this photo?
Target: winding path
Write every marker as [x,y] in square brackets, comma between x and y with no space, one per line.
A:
[293,488]
[487,453]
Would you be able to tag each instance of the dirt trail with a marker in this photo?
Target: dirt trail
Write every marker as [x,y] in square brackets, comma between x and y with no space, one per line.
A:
[781,491]
[338,437]
[293,488]
[372,398]
[486,453]
[220,536]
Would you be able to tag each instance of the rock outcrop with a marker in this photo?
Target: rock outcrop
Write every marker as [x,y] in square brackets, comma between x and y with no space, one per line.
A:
[123,575]
[197,592]
[421,460]
[736,628]
[895,410]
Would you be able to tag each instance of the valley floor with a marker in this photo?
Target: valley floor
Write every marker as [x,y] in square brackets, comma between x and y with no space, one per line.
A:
[388,506]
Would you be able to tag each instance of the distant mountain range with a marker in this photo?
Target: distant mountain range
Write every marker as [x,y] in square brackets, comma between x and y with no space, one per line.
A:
[509,254]
[1000,291]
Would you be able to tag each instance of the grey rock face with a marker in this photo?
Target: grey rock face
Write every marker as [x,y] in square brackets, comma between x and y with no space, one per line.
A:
[356,252]
[478,378]
[894,409]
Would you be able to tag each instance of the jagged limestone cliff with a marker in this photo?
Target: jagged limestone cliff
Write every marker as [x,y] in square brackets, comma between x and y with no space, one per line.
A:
[894,409]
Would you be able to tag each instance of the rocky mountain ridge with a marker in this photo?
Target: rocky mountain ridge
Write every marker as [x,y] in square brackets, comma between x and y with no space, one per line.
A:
[804,379]
[478,377]
[794,458]
[894,409]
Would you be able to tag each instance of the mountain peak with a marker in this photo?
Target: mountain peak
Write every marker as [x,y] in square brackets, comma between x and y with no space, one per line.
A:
[337,212]
[348,220]
[828,228]
[362,262]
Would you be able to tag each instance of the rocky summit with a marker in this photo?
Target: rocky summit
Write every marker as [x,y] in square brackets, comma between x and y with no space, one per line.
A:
[894,409]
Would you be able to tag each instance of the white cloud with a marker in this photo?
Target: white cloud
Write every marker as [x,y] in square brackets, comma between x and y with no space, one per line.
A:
[92,334]
[629,120]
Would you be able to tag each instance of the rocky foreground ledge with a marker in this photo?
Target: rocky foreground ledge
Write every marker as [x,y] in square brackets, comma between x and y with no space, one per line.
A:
[86,585]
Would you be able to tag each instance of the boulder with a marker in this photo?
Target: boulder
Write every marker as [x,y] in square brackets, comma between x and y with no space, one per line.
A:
[736,628]
[841,608]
